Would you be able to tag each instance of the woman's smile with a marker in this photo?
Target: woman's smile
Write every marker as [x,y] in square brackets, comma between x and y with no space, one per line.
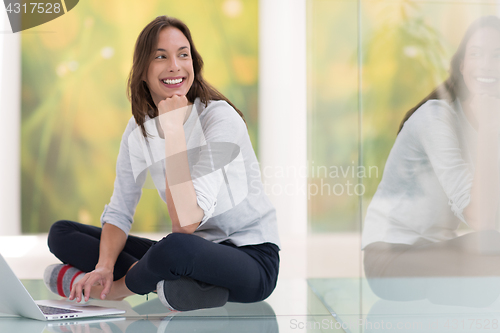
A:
[173,82]
[486,80]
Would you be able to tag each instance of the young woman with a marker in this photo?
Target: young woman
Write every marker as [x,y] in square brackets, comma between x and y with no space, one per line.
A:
[443,170]
[224,242]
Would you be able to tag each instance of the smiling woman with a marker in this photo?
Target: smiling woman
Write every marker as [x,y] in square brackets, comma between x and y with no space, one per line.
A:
[224,243]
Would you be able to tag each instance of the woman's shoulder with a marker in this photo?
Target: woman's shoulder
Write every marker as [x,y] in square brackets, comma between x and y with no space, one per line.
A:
[435,108]
[132,131]
[219,110]
[433,112]
[131,125]
[217,107]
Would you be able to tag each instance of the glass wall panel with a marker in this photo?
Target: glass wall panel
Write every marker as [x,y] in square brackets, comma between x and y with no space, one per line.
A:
[429,235]
[428,215]
[333,116]
[337,178]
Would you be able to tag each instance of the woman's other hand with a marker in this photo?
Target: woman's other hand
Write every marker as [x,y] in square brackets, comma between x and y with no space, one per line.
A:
[100,276]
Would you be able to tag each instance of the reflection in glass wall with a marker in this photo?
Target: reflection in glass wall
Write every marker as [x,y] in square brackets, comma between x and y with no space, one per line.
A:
[431,122]
[429,106]
[71,128]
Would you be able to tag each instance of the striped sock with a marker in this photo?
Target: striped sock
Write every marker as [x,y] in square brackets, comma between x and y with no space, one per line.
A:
[59,278]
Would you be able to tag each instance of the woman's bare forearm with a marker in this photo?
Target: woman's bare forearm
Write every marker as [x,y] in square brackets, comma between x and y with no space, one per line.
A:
[181,197]
[182,203]
[112,243]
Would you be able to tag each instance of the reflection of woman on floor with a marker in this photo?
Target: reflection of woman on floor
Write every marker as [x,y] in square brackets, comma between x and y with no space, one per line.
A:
[224,240]
[443,170]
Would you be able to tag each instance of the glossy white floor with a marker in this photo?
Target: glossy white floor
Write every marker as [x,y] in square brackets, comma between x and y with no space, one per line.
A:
[294,307]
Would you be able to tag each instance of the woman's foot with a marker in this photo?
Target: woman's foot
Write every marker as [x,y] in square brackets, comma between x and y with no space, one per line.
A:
[117,292]
[113,295]
[186,294]
[59,278]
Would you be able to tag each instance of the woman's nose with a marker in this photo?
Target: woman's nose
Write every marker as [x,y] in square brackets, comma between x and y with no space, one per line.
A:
[173,65]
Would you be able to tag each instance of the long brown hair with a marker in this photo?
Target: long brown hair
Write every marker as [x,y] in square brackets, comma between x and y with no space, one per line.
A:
[454,87]
[137,89]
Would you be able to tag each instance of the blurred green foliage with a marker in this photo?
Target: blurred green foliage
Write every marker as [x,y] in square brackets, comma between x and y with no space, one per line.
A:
[74,106]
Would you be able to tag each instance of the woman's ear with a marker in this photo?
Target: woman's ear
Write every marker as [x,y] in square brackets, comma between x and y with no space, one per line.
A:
[144,76]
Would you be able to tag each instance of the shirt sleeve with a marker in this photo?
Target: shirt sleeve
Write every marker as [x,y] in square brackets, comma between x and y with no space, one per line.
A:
[435,126]
[222,130]
[127,189]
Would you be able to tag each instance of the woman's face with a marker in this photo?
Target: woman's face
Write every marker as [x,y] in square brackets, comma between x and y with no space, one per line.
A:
[481,65]
[171,71]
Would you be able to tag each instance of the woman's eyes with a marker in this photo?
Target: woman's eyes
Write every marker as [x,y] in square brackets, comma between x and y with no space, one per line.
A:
[481,54]
[162,56]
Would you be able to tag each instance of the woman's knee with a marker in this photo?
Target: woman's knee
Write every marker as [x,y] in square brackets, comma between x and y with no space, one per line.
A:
[485,242]
[57,232]
[172,251]
[57,239]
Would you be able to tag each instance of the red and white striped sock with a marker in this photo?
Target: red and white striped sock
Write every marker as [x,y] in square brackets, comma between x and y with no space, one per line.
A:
[59,278]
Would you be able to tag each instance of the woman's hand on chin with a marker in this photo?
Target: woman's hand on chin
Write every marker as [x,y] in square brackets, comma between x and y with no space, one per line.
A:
[172,111]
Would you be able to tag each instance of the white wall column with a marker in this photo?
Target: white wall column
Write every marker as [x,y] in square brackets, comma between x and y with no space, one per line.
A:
[10,123]
[283,126]
[282,109]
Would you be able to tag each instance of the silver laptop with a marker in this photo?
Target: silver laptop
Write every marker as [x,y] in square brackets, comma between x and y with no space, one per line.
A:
[15,300]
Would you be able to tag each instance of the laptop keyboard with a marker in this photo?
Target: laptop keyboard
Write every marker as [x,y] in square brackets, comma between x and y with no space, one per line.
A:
[49,310]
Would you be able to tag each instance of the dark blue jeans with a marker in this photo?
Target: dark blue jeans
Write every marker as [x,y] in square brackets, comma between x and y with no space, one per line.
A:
[249,272]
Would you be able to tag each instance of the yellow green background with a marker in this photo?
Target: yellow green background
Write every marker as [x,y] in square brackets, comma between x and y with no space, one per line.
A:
[74,106]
